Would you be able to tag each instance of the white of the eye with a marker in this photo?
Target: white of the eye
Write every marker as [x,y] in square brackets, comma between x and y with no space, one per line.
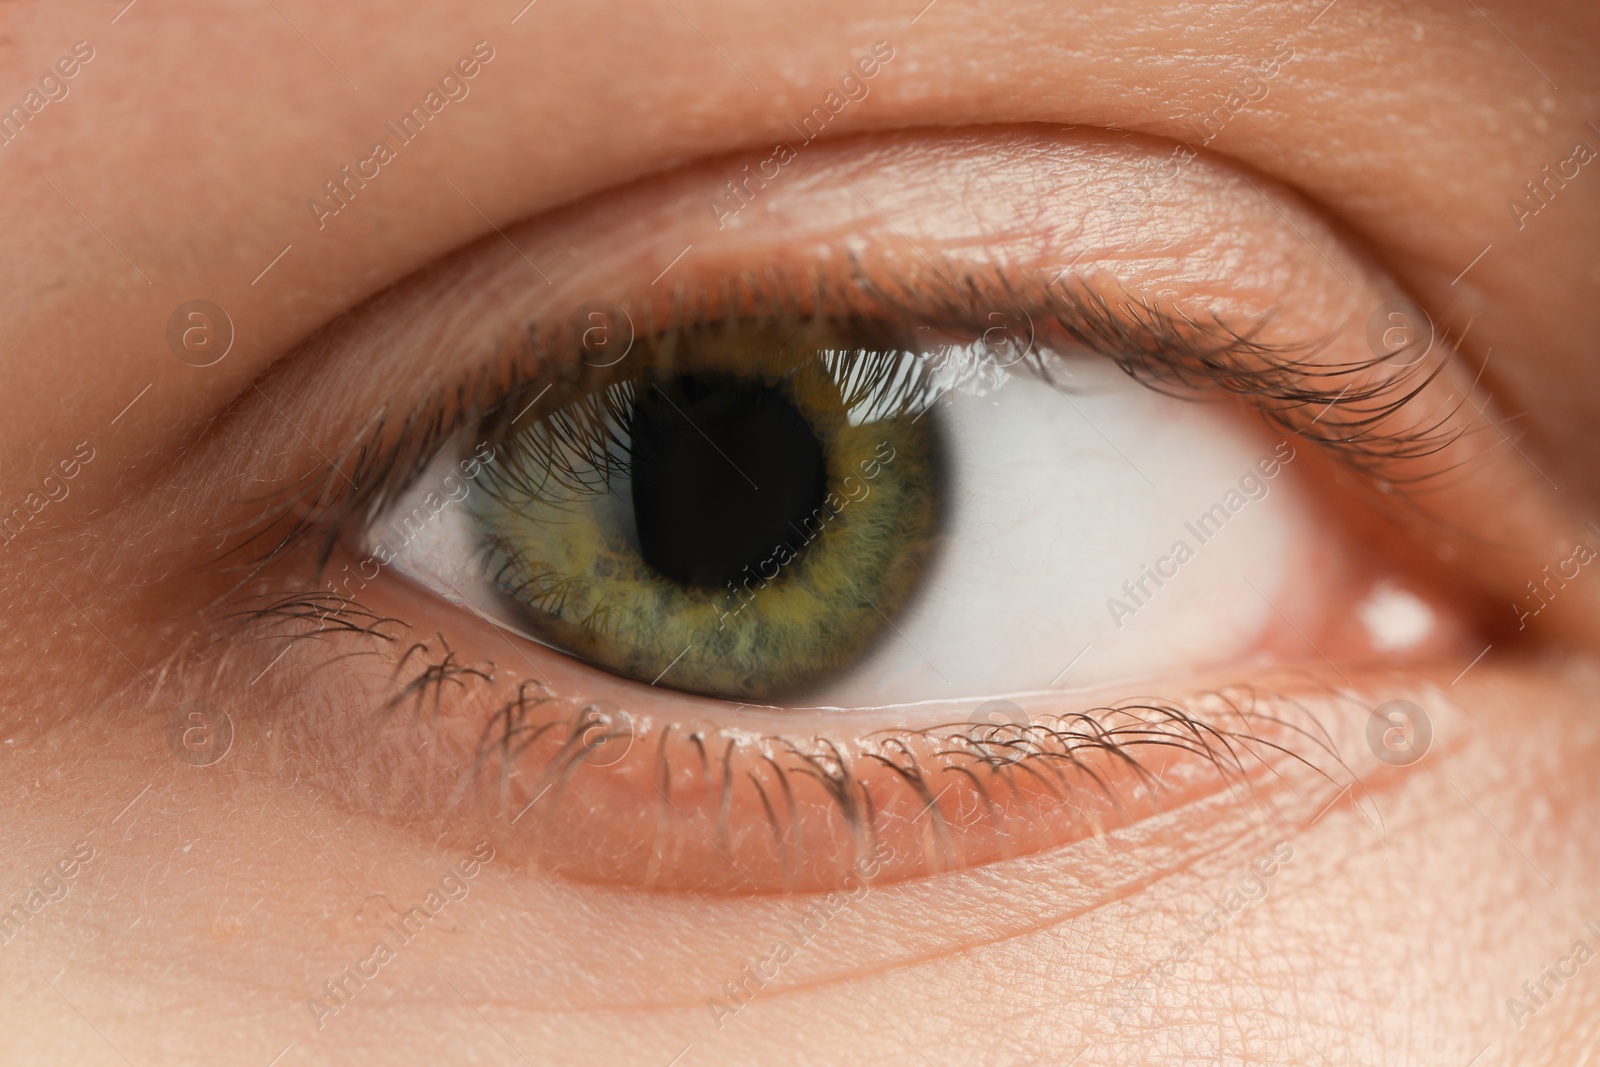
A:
[427,535]
[1059,498]
[1395,620]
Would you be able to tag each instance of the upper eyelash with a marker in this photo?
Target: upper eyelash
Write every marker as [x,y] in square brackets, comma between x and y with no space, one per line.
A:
[1162,347]
[578,445]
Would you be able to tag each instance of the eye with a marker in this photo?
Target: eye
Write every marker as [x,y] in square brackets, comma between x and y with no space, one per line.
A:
[822,513]
[818,576]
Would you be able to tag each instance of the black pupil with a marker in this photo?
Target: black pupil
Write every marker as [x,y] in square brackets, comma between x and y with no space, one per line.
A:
[725,470]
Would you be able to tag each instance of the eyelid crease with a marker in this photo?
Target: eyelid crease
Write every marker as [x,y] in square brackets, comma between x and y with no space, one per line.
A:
[1341,406]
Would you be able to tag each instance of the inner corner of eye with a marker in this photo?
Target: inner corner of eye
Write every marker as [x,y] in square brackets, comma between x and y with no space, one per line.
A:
[840,522]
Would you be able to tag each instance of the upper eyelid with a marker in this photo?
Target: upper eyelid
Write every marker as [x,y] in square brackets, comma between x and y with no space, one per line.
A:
[470,319]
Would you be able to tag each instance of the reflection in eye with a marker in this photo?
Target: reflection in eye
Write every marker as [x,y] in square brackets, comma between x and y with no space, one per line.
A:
[836,513]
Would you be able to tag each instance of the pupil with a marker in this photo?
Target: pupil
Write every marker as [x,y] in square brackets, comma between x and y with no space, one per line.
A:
[721,466]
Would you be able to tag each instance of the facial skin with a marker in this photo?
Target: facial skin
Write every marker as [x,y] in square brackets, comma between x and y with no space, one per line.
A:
[208,904]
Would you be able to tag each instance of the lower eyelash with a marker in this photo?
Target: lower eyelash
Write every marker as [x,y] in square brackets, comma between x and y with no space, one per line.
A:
[942,767]
[1240,732]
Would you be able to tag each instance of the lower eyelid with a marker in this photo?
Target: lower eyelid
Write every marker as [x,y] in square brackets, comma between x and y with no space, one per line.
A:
[682,794]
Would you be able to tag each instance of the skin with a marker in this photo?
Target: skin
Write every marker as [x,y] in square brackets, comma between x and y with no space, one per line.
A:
[217,903]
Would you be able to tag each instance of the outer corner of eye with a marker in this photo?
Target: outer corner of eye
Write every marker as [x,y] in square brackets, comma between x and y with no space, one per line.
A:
[808,606]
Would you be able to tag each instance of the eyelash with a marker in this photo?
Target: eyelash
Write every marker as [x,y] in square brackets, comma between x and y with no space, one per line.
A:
[993,757]
[1161,347]
[583,443]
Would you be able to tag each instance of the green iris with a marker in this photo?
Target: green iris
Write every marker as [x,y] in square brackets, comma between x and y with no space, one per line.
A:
[740,515]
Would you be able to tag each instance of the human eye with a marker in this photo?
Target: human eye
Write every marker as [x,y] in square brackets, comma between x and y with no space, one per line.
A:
[900,526]
[822,547]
